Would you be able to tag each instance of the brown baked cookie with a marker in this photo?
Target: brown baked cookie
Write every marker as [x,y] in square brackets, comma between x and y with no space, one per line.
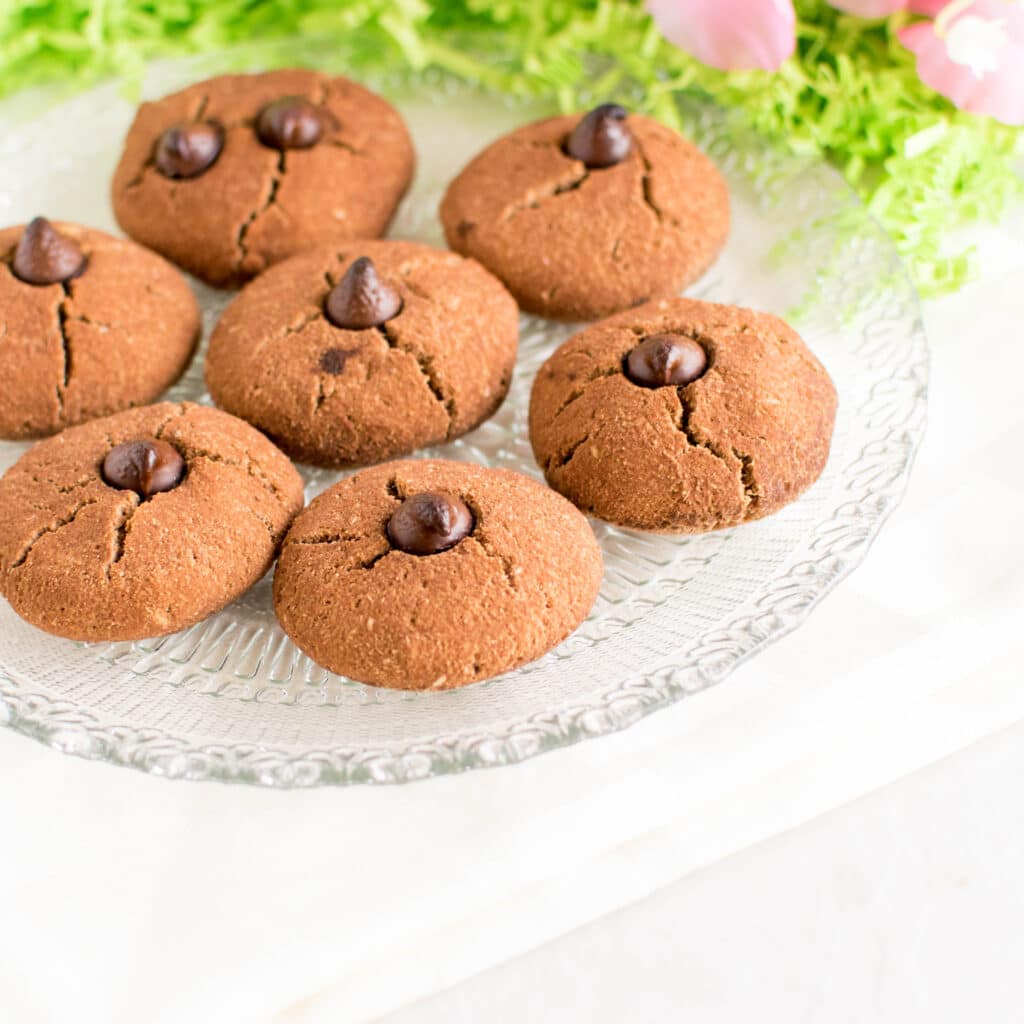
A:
[682,416]
[582,216]
[238,172]
[428,575]
[141,523]
[89,324]
[358,354]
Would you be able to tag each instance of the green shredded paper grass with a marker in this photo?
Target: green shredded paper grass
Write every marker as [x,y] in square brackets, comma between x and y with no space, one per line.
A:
[851,94]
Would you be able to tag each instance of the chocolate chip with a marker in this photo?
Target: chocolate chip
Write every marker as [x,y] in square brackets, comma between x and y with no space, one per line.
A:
[602,138]
[664,359]
[44,256]
[333,360]
[427,523]
[289,123]
[146,467]
[188,149]
[361,299]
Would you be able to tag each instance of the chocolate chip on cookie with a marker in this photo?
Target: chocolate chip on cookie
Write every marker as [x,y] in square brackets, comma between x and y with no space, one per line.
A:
[45,256]
[333,360]
[146,467]
[427,523]
[351,355]
[187,150]
[290,123]
[602,138]
[141,523]
[639,423]
[233,174]
[91,324]
[428,575]
[646,207]
[360,299]
[666,359]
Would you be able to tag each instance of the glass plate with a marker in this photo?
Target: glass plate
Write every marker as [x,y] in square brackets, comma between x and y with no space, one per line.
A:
[233,699]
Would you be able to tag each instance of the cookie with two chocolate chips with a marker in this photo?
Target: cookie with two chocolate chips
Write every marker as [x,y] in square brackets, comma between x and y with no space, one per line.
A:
[89,325]
[582,216]
[428,575]
[141,523]
[363,352]
[682,416]
[238,172]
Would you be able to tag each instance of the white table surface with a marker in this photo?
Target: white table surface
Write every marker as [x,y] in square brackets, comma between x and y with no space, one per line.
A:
[128,898]
[904,906]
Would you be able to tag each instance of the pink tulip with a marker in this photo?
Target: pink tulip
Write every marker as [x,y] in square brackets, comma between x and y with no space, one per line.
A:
[973,53]
[730,34]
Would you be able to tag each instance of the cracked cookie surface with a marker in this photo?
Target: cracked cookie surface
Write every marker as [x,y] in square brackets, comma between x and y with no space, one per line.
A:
[81,559]
[256,205]
[576,244]
[117,335]
[337,397]
[740,442]
[520,582]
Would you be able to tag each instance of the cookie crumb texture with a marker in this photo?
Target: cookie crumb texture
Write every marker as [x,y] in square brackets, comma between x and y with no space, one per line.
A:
[117,335]
[576,244]
[83,560]
[256,205]
[337,397]
[522,581]
[740,442]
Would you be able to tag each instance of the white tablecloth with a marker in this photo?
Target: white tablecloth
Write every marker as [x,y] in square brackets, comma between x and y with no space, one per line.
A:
[903,907]
[127,898]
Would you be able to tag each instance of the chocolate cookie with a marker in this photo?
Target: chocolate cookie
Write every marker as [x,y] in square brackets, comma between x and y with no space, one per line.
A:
[141,523]
[238,172]
[355,356]
[428,575]
[584,216]
[682,416]
[89,324]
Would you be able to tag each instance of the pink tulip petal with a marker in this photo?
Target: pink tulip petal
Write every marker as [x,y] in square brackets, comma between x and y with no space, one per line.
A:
[979,63]
[729,34]
[870,8]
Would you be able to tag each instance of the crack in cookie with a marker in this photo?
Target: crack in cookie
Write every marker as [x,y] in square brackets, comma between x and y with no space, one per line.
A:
[53,527]
[326,538]
[179,413]
[121,528]
[598,373]
[567,456]
[65,343]
[750,488]
[276,176]
[687,429]
[535,197]
[425,364]
[369,563]
[192,452]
